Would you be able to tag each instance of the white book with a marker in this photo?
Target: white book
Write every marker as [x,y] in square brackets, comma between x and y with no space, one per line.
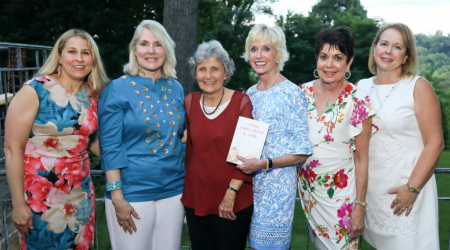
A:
[248,140]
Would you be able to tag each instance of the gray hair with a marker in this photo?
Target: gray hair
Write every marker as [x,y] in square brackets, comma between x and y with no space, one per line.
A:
[213,49]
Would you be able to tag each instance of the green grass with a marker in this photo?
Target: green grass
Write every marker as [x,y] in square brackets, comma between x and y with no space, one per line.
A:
[299,235]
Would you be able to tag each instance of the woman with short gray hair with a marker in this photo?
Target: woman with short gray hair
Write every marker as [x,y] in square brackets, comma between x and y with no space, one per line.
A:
[218,198]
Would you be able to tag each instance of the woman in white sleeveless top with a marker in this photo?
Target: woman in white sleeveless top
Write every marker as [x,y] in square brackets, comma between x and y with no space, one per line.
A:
[402,210]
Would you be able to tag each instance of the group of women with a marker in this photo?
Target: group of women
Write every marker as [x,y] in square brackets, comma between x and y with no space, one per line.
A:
[361,155]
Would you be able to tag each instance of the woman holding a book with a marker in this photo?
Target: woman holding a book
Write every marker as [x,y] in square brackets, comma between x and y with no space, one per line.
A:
[333,181]
[281,104]
[217,196]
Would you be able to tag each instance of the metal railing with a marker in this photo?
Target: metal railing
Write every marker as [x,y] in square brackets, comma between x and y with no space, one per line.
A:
[5,202]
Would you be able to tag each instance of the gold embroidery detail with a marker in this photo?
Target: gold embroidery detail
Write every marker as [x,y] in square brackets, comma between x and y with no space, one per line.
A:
[148,130]
[176,109]
[160,143]
[165,151]
[141,103]
[170,83]
[170,91]
[164,97]
[163,88]
[156,125]
[169,142]
[155,116]
[145,89]
[179,117]
[149,139]
[166,105]
[144,111]
[170,114]
[124,77]
[137,93]
[173,133]
[152,107]
[132,84]
[172,123]
[158,134]
[173,101]
[147,98]
[153,150]
[147,119]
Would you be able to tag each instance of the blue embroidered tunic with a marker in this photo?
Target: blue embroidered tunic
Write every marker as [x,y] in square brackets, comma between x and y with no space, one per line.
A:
[140,128]
[284,107]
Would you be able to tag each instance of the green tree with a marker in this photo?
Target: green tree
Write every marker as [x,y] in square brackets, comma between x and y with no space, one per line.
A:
[229,22]
[110,22]
[329,10]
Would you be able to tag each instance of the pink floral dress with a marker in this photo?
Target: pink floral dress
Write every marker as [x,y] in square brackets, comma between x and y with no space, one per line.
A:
[57,184]
[327,179]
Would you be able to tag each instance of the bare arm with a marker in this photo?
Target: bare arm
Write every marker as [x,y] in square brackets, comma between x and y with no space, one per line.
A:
[428,114]
[94,146]
[227,205]
[361,156]
[123,209]
[251,165]
[19,121]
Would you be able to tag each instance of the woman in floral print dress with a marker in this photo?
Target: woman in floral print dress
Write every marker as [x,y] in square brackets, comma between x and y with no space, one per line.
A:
[333,181]
[48,126]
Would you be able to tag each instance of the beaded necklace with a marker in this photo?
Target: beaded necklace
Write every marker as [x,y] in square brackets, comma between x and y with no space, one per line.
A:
[386,97]
[203,102]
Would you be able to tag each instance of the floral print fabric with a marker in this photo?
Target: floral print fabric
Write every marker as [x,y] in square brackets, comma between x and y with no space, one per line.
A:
[327,179]
[57,183]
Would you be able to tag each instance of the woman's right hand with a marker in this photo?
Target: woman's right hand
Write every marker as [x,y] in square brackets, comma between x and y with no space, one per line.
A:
[123,213]
[22,218]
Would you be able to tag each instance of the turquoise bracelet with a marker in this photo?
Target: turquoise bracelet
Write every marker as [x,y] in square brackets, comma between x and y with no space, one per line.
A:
[113,185]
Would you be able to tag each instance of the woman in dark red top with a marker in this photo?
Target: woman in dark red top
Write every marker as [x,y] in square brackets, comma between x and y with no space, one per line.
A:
[217,196]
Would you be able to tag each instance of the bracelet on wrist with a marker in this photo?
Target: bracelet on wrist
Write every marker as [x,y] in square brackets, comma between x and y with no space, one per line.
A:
[233,189]
[269,163]
[362,203]
[113,185]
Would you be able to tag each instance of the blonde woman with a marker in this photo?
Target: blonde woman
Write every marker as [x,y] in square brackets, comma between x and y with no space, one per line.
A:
[279,102]
[141,122]
[48,128]
[402,210]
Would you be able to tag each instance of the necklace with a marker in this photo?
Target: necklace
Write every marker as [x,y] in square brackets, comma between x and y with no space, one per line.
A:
[328,98]
[220,101]
[267,92]
[387,95]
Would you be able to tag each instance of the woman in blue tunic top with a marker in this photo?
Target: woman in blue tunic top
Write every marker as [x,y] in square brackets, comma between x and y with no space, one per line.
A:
[141,122]
[280,103]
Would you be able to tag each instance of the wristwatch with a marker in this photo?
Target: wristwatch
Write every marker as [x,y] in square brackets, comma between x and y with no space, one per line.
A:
[412,189]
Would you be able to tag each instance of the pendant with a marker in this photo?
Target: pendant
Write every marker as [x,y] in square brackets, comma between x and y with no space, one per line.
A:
[326,103]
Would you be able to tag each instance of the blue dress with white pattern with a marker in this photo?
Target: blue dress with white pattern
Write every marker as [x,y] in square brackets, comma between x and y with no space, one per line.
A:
[284,107]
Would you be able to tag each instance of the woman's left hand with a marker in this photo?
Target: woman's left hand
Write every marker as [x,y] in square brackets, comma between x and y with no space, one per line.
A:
[227,205]
[357,224]
[251,165]
[404,201]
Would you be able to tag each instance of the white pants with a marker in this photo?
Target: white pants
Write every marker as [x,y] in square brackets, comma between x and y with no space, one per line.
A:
[159,228]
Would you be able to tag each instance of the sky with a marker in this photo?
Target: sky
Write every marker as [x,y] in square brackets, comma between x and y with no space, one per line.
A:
[422,16]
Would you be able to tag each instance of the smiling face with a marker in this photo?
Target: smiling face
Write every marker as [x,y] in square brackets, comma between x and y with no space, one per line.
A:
[390,51]
[332,64]
[263,57]
[210,75]
[76,59]
[149,52]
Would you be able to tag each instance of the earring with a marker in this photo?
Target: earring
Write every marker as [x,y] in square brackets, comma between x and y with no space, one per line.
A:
[349,74]
[316,75]
[58,70]
[278,62]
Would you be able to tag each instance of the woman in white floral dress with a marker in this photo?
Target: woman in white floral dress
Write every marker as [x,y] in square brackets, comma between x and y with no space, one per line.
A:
[333,181]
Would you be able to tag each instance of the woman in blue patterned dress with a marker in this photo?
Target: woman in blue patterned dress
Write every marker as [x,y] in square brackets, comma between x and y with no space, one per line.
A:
[280,103]
[48,129]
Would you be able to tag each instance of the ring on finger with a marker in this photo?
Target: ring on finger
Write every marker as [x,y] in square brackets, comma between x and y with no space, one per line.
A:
[404,208]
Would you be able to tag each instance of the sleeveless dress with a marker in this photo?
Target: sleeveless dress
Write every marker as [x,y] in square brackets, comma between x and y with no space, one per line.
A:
[57,184]
[395,148]
[327,183]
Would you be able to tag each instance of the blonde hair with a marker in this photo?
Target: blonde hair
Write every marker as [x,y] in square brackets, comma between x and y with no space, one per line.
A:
[411,66]
[168,68]
[273,36]
[96,79]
